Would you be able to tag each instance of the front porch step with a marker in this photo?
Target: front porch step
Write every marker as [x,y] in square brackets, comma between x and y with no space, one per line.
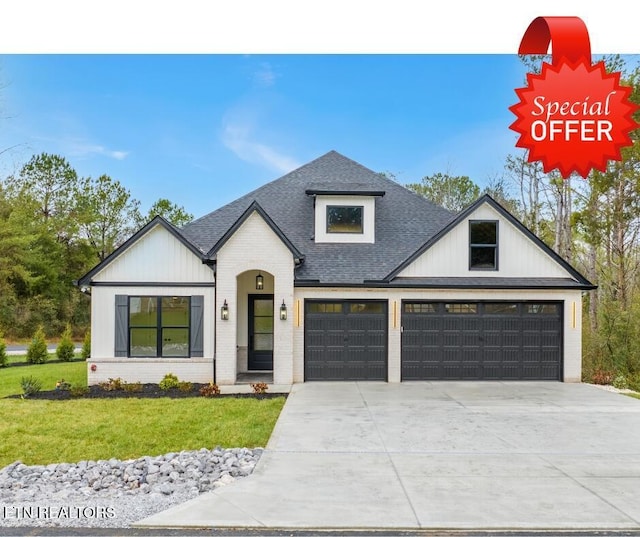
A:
[255,376]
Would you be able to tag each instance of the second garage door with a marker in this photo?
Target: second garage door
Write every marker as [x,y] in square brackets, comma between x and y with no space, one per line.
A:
[345,340]
[481,341]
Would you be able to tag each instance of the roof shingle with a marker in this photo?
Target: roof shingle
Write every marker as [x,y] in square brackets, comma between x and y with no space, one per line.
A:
[404,221]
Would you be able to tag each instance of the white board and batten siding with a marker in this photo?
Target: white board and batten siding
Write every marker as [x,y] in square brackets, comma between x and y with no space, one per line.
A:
[156,257]
[158,260]
[518,255]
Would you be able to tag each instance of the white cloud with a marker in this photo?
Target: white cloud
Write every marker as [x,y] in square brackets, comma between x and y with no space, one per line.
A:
[81,148]
[238,137]
[265,75]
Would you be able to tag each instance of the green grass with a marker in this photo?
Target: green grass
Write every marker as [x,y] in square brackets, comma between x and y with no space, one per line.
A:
[634,395]
[42,432]
[49,374]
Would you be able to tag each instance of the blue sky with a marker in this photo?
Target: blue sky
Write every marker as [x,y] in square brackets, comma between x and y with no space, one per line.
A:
[202,130]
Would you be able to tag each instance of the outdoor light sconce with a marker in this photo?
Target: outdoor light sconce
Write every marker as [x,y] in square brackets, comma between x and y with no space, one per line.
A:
[283,311]
[224,311]
[259,282]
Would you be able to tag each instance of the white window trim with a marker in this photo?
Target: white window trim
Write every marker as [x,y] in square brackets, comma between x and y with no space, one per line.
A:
[368,204]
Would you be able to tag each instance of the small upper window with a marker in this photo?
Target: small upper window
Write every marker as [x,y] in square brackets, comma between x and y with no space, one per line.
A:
[483,245]
[344,219]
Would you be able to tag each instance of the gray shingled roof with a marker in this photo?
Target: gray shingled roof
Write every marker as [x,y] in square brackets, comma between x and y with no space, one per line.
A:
[404,221]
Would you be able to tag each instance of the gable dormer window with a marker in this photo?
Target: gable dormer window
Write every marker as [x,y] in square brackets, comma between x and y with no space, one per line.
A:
[344,219]
[344,213]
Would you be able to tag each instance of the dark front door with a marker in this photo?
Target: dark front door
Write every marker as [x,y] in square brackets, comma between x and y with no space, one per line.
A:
[260,333]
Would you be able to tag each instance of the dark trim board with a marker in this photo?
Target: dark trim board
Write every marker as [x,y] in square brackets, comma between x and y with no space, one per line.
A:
[152,284]
[455,283]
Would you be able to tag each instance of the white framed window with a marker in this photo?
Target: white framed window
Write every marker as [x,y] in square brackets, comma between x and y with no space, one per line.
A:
[344,219]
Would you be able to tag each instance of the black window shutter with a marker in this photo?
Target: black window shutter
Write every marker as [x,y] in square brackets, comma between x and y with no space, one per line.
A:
[122,326]
[197,311]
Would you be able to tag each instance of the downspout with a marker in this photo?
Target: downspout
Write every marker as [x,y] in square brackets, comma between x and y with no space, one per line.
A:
[215,325]
[211,265]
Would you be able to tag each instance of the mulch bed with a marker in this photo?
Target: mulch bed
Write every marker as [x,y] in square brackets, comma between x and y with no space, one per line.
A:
[149,391]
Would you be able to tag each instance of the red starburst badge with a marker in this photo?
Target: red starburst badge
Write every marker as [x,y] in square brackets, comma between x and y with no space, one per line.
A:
[573,116]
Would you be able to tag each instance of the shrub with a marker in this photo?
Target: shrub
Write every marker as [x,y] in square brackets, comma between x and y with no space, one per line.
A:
[86,345]
[210,390]
[260,387]
[4,358]
[132,386]
[78,391]
[63,385]
[37,351]
[112,385]
[185,387]
[66,348]
[30,385]
[633,382]
[169,381]
[602,376]
[620,382]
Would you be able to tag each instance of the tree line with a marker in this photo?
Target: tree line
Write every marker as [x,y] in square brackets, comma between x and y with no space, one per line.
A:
[55,226]
[593,223]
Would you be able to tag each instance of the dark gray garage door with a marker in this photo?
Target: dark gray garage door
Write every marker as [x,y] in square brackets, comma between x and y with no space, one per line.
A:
[345,340]
[481,341]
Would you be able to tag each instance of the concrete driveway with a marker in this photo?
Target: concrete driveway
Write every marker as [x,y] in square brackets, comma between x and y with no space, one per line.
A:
[491,455]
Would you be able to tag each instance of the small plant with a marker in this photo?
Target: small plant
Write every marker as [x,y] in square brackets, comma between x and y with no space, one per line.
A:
[66,348]
[112,385]
[601,376]
[30,385]
[210,390]
[132,386]
[4,358]
[86,346]
[620,382]
[78,391]
[63,385]
[169,381]
[633,382]
[185,386]
[37,351]
[260,388]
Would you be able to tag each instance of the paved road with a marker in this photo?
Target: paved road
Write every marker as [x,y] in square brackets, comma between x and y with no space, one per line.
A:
[17,350]
[447,455]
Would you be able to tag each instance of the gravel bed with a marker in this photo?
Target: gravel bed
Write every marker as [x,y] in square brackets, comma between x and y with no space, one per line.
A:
[115,493]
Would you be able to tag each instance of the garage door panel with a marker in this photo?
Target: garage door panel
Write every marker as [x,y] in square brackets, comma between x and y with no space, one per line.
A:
[489,341]
[346,340]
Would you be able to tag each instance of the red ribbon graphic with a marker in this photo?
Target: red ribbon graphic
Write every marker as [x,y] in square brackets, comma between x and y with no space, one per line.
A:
[568,36]
[573,116]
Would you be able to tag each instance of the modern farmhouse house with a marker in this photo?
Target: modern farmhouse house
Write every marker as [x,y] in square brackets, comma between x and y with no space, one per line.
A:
[334,272]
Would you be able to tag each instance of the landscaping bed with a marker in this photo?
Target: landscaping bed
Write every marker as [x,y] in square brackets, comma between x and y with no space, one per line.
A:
[150,391]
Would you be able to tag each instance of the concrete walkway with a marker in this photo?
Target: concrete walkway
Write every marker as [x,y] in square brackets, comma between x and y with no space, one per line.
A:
[493,455]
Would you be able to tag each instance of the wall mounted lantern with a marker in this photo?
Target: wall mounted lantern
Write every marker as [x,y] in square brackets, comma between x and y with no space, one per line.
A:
[259,282]
[283,311]
[224,311]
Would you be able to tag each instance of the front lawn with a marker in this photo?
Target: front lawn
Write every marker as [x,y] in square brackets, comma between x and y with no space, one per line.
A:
[73,372]
[42,432]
